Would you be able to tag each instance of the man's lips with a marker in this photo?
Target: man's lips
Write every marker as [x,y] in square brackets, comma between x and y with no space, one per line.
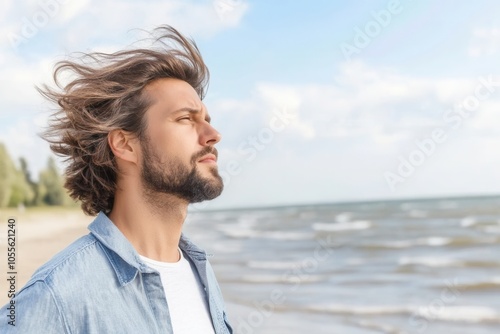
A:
[209,158]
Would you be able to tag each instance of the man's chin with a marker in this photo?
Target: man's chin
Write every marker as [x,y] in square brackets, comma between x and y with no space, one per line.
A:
[211,189]
[216,188]
[206,197]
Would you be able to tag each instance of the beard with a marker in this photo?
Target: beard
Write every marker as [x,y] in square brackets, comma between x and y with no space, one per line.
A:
[178,179]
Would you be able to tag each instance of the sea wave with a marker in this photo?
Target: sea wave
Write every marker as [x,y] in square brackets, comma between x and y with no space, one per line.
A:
[343,217]
[235,232]
[479,285]
[466,314]
[447,205]
[288,278]
[288,235]
[474,221]
[273,264]
[444,262]
[431,261]
[341,227]
[429,241]
[469,314]
[469,221]
[246,233]
[492,229]
[414,213]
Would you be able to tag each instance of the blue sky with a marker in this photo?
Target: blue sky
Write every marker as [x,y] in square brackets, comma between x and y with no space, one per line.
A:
[317,101]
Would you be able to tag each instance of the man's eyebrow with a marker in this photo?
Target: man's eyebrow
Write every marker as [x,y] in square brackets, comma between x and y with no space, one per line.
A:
[194,111]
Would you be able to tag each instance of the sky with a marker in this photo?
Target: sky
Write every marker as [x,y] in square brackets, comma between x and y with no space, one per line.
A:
[317,101]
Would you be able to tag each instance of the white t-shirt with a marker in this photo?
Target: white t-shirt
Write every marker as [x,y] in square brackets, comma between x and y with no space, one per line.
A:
[185,296]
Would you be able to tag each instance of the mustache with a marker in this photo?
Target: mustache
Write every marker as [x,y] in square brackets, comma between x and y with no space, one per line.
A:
[203,152]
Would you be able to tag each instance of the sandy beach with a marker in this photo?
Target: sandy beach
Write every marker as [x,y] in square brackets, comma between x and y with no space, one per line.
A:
[40,234]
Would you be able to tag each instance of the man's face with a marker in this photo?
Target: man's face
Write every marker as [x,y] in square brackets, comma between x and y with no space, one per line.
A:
[178,153]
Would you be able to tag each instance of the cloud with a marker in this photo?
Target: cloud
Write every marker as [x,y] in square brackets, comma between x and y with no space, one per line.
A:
[377,103]
[52,25]
[191,17]
[487,121]
[17,87]
[484,42]
[71,10]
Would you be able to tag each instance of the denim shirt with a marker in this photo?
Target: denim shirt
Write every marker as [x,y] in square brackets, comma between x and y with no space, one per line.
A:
[100,285]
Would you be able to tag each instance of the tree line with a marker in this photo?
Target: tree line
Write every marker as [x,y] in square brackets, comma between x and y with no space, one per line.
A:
[18,188]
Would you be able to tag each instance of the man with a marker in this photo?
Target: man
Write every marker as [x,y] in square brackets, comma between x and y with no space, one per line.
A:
[140,148]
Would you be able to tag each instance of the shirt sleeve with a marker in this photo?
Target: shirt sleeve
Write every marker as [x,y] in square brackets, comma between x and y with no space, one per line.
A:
[33,310]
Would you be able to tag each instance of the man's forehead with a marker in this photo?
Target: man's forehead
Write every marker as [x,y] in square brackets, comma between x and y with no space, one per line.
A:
[174,94]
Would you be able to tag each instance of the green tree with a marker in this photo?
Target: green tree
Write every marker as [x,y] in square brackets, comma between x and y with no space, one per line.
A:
[32,184]
[5,176]
[21,192]
[14,189]
[50,185]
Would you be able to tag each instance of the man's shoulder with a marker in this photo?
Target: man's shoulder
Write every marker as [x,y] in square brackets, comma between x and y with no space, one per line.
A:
[69,261]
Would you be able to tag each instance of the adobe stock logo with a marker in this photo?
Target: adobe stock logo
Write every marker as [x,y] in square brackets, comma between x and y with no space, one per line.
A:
[421,317]
[453,119]
[30,26]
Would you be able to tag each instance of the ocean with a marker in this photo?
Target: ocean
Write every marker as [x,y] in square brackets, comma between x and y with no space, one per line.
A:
[412,266]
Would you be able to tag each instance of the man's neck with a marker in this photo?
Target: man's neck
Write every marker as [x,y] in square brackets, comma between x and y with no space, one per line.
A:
[152,227]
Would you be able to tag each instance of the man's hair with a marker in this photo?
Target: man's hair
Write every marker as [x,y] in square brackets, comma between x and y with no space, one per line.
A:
[105,93]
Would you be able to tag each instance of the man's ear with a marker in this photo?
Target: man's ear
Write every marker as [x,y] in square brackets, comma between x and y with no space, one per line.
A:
[124,145]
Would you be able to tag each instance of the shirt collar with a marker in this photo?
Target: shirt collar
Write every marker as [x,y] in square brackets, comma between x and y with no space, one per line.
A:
[123,257]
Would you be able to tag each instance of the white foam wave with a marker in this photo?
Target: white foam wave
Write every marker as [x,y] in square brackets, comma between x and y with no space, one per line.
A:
[263,278]
[469,221]
[340,227]
[430,261]
[399,244]
[226,247]
[355,262]
[488,226]
[234,232]
[467,314]
[246,221]
[284,278]
[359,310]
[286,235]
[435,241]
[492,229]
[429,241]
[418,213]
[242,233]
[273,264]
[343,217]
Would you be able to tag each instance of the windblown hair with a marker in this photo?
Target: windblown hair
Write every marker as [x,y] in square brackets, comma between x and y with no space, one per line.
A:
[105,93]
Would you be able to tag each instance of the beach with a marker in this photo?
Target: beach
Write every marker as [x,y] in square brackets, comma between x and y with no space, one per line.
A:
[40,234]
